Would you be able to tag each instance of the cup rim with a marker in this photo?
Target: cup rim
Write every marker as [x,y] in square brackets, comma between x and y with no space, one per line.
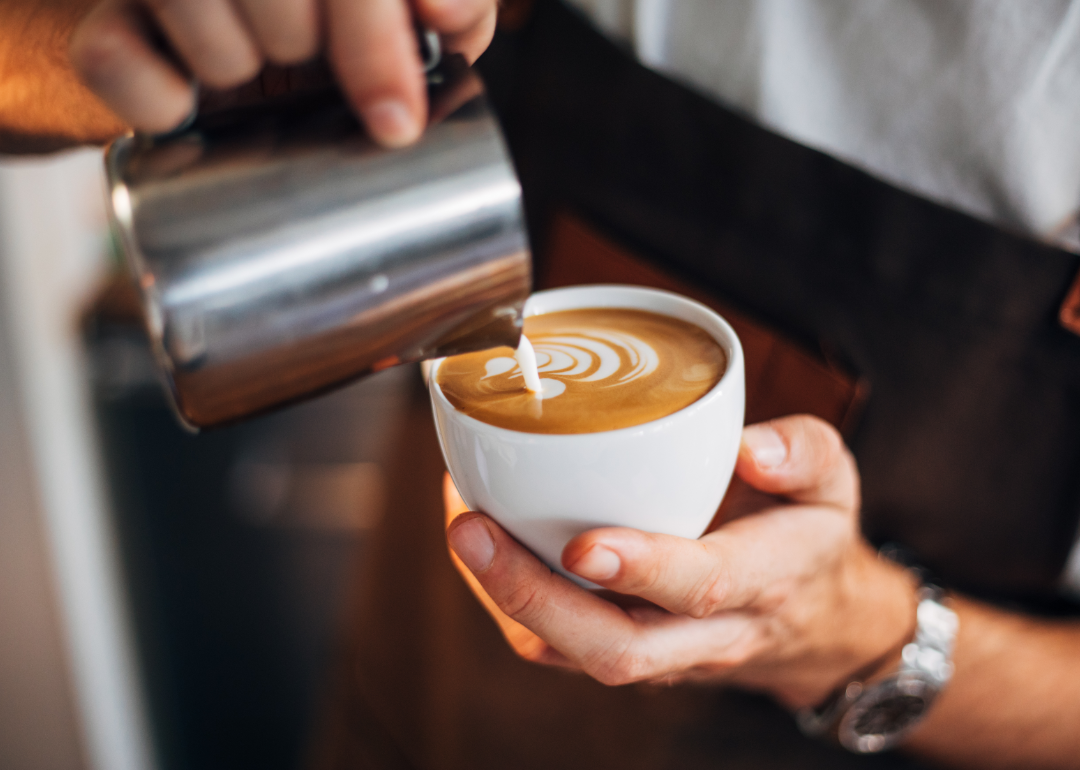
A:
[732,347]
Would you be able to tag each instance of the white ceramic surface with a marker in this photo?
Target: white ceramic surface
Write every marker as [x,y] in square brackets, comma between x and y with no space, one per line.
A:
[667,475]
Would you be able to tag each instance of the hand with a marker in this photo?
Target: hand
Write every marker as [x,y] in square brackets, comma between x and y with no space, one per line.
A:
[370,44]
[784,596]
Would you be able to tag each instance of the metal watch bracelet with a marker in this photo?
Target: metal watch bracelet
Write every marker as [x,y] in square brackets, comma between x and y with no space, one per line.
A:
[868,717]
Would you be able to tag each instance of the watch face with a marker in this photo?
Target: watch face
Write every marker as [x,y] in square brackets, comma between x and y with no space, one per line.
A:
[884,713]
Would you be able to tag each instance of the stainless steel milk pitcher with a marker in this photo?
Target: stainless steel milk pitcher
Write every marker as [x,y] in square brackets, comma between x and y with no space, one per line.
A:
[279,252]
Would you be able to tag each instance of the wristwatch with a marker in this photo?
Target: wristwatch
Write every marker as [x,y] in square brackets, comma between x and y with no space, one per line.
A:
[873,716]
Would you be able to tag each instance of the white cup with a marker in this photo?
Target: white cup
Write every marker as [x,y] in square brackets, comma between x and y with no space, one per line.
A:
[665,476]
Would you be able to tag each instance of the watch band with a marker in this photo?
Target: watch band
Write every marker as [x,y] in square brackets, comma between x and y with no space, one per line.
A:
[869,717]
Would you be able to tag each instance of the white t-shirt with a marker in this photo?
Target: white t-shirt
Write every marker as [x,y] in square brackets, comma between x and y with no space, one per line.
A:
[972,103]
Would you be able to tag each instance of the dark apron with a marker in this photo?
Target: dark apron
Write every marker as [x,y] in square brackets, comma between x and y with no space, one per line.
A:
[929,337]
[969,440]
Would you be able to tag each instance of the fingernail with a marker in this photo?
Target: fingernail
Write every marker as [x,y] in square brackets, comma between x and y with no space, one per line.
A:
[765,444]
[472,543]
[391,122]
[598,563]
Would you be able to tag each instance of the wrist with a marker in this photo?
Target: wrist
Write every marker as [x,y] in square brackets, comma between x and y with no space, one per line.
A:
[881,705]
[882,598]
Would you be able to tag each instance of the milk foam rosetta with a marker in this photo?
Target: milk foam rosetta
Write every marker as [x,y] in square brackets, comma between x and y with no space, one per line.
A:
[600,369]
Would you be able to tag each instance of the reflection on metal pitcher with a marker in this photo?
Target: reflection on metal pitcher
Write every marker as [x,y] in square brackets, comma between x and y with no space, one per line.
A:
[280,252]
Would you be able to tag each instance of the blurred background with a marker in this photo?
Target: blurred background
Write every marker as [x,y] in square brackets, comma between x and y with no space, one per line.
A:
[166,600]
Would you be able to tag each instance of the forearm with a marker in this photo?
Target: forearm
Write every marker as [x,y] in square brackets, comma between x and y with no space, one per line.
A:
[43,105]
[1014,700]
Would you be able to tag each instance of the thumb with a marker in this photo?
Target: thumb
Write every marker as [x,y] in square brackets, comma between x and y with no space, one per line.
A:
[801,458]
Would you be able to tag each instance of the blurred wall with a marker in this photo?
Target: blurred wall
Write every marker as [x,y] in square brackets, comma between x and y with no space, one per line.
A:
[38,727]
[69,692]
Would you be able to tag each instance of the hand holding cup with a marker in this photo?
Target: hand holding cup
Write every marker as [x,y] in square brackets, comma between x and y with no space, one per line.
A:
[783,596]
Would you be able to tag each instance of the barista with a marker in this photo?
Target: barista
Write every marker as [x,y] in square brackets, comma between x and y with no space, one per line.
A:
[787,597]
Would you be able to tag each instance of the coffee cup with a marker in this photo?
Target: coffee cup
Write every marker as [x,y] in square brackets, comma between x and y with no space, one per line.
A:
[666,476]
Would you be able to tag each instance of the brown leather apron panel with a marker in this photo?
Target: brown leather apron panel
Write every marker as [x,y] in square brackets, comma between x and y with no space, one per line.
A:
[781,377]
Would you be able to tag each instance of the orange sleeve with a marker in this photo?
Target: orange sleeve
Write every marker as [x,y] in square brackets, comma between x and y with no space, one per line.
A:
[43,104]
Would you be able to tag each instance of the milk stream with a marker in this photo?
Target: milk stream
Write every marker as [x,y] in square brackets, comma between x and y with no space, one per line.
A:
[526,358]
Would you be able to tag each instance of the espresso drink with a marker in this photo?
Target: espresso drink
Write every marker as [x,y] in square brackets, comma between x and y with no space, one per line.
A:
[600,369]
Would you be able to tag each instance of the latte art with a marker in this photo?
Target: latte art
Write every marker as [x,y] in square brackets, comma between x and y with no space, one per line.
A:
[599,369]
[593,356]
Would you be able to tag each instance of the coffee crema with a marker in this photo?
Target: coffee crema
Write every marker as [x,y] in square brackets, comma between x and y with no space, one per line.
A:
[600,368]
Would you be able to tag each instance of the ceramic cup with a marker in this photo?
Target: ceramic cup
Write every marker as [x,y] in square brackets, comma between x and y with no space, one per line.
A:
[665,476]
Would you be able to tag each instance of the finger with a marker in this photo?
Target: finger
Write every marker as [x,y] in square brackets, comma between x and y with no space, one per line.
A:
[211,38]
[374,53]
[748,563]
[802,458]
[465,26]
[110,52]
[474,41]
[523,641]
[591,633]
[691,648]
[286,31]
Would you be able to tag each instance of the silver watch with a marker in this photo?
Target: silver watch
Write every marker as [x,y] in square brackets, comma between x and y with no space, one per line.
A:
[874,716]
